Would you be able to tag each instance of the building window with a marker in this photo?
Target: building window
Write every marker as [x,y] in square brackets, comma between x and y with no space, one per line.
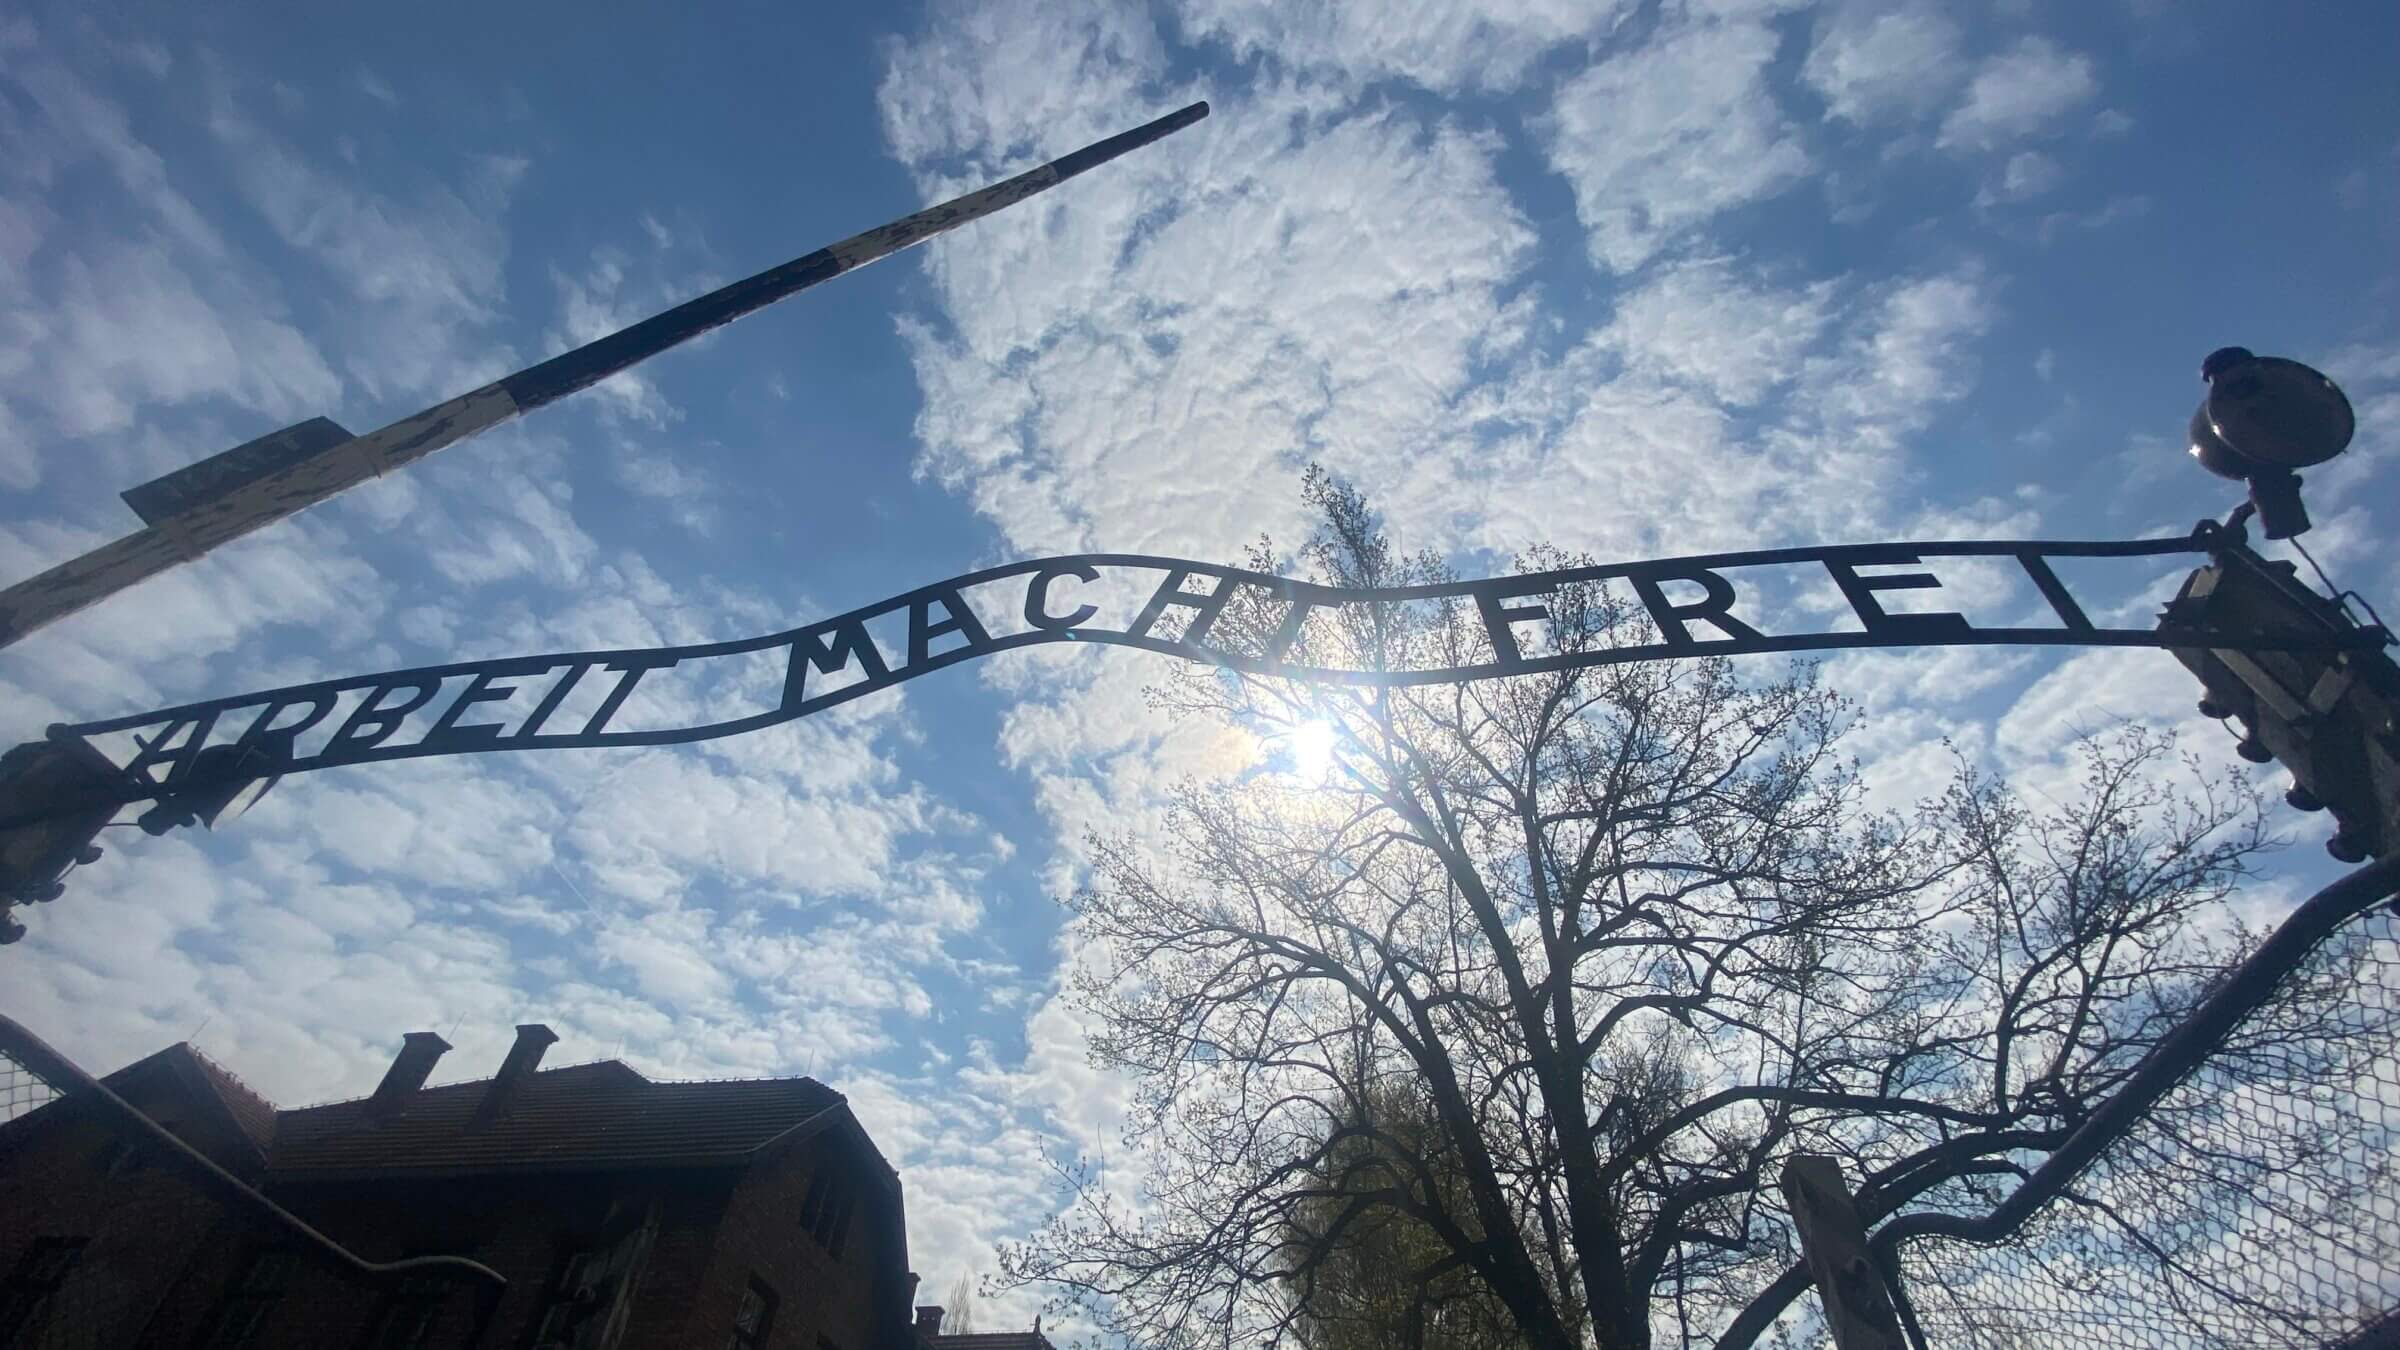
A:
[825,1212]
[587,1303]
[755,1318]
[839,1223]
[574,1300]
[820,1189]
[25,1295]
[246,1305]
[408,1314]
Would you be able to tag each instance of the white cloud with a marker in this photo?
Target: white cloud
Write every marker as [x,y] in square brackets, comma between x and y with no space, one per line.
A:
[2375,448]
[1913,354]
[971,1156]
[1703,324]
[1873,63]
[144,55]
[428,626]
[1009,84]
[660,476]
[421,275]
[668,954]
[1132,369]
[439,823]
[499,509]
[23,224]
[1661,138]
[143,307]
[1141,368]
[1446,46]
[301,984]
[2362,364]
[1652,459]
[2091,690]
[659,820]
[76,123]
[2028,173]
[125,324]
[2018,92]
[533,912]
[2122,207]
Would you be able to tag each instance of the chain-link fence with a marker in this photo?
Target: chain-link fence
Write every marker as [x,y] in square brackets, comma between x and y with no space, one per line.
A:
[2257,1203]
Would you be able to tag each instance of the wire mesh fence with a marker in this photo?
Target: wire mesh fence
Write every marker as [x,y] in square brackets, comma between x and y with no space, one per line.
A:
[21,1089]
[2257,1204]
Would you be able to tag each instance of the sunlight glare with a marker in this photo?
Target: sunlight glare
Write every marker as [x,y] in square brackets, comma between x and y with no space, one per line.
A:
[1311,747]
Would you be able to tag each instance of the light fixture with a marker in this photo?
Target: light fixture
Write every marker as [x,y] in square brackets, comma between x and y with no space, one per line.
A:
[2265,417]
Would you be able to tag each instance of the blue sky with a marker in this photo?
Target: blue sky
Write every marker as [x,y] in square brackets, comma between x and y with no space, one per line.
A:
[1618,276]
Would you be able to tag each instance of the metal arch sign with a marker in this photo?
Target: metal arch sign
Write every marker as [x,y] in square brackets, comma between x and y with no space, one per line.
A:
[578,699]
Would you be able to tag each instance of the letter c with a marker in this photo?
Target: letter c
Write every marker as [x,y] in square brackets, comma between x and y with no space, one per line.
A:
[1037,597]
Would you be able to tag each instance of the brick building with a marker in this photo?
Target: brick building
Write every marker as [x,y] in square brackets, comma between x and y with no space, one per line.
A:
[621,1212]
[930,1335]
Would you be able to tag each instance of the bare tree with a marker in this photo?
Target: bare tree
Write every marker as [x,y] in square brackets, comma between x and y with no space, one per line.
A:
[959,1318]
[1631,935]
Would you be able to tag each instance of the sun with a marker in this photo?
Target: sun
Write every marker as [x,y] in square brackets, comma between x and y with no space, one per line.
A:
[1310,747]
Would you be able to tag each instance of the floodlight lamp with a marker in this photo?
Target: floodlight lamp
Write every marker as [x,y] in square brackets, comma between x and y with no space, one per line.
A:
[2265,417]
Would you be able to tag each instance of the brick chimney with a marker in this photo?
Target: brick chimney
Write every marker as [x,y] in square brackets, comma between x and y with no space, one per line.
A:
[523,1058]
[418,1051]
[929,1320]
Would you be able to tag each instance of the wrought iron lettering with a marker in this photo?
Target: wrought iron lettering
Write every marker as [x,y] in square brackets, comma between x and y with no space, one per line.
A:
[1860,592]
[512,703]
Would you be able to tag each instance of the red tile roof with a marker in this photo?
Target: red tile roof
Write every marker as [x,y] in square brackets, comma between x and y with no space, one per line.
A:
[584,1117]
[187,1093]
[589,1116]
[253,1114]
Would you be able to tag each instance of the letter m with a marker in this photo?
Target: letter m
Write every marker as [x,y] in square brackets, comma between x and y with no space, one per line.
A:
[829,649]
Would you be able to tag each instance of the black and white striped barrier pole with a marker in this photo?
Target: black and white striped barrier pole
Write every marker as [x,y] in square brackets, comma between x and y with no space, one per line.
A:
[195,509]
